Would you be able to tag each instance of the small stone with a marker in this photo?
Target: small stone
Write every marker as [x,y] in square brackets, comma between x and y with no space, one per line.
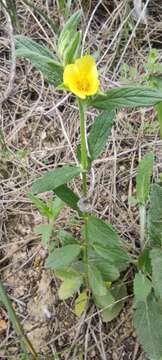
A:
[92,354]
[124,198]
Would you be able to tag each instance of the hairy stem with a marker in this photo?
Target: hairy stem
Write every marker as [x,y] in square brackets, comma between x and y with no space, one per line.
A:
[84,159]
[84,163]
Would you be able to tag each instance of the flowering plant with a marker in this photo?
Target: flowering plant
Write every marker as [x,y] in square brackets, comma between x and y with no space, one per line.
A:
[92,264]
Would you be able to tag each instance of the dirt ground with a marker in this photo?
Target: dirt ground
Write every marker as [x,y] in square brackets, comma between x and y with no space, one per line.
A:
[37,127]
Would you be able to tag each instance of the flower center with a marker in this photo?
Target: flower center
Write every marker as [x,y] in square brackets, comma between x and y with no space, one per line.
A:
[83,85]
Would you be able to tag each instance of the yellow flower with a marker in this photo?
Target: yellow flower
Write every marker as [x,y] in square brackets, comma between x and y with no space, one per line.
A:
[81,78]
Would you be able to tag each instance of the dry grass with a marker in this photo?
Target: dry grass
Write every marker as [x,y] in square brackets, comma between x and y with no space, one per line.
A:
[39,130]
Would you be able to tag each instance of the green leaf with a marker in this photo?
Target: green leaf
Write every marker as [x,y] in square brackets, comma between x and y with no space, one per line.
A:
[66,237]
[102,233]
[108,270]
[127,97]
[67,273]
[157,81]
[143,178]
[159,112]
[105,302]
[40,205]
[156,262]
[52,179]
[144,261]
[114,296]
[80,303]
[107,243]
[99,133]
[96,281]
[72,51]
[57,206]
[41,58]
[68,32]
[148,325]
[45,231]
[142,287]
[68,196]
[69,287]
[23,42]
[62,257]
[117,255]
[155,216]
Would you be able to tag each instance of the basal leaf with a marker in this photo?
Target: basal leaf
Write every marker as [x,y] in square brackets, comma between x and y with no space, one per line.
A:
[155,216]
[66,237]
[102,233]
[116,297]
[127,97]
[96,281]
[108,270]
[53,179]
[67,273]
[117,255]
[69,287]
[68,196]
[99,133]
[156,262]
[105,302]
[143,177]
[148,325]
[62,257]
[80,303]
[142,287]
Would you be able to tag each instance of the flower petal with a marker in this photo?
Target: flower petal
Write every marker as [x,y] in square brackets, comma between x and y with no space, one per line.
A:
[70,75]
[82,77]
[86,65]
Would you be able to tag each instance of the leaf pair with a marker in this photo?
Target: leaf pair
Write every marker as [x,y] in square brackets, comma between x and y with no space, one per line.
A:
[61,260]
[69,39]
[106,260]
[110,301]
[43,59]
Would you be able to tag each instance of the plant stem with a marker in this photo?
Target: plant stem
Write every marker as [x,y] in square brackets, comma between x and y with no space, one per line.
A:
[84,163]
[142,212]
[84,159]
[159,112]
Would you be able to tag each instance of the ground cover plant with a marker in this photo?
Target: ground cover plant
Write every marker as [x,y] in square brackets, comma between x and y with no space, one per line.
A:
[92,263]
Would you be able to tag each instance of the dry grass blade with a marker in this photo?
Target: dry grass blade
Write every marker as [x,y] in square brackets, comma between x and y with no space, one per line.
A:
[13,58]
